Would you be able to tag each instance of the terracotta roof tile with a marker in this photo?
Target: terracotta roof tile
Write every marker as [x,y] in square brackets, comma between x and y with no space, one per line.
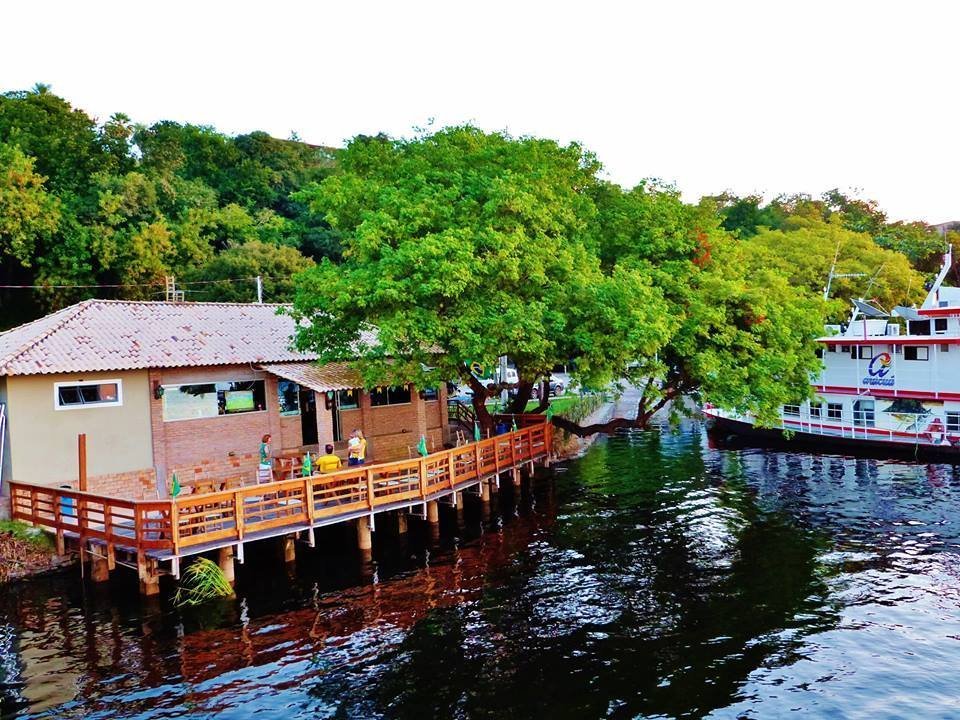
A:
[125,335]
[332,376]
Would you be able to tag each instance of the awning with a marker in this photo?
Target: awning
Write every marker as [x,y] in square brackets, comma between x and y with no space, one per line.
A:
[322,378]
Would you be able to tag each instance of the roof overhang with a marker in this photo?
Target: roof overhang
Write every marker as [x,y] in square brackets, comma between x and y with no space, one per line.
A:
[322,378]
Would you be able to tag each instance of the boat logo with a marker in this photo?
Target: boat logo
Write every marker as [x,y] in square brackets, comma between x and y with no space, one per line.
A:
[879,371]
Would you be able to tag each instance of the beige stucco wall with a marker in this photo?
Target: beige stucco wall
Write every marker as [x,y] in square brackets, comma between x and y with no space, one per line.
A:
[43,441]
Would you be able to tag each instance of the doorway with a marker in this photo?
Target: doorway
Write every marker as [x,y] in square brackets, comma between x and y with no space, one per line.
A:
[308,415]
[335,417]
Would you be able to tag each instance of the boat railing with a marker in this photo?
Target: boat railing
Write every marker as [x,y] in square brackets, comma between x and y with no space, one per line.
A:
[925,428]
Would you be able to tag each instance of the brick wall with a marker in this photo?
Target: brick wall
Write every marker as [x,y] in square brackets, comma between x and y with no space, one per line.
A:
[135,485]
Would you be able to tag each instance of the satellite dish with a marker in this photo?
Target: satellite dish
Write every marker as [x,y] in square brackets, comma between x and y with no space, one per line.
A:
[869,310]
[908,313]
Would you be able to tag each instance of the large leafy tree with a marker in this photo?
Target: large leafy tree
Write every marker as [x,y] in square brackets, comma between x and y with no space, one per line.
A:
[229,275]
[27,211]
[462,246]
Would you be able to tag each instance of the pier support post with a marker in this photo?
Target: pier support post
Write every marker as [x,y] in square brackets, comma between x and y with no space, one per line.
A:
[289,548]
[484,491]
[516,477]
[364,536]
[433,512]
[99,568]
[401,522]
[149,576]
[225,561]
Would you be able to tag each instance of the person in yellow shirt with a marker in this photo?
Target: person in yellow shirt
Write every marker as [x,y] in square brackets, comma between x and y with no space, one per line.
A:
[329,462]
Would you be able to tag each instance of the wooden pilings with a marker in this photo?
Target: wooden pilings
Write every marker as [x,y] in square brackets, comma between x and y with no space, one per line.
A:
[226,563]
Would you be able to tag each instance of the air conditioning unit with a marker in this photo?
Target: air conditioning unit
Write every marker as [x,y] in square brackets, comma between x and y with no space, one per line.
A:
[893,329]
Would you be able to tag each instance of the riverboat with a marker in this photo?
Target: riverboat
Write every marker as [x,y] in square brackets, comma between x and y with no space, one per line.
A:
[889,381]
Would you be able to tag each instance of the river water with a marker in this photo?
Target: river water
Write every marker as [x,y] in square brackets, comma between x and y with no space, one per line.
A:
[658,576]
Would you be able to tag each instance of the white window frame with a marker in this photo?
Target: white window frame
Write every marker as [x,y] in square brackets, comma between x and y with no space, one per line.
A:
[793,411]
[926,354]
[86,383]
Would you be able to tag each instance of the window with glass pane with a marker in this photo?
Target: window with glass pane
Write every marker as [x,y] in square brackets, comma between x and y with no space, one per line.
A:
[791,409]
[429,394]
[815,410]
[87,394]
[389,396]
[348,399]
[288,397]
[203,400]
[953,421]
[835,411]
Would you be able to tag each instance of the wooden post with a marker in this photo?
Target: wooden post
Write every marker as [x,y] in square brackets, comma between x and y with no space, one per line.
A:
[484,491]
[225,561]
[149,576]
[82,460]
[433,512]
[401,522]
[364,536]
[99,567]
[289,548]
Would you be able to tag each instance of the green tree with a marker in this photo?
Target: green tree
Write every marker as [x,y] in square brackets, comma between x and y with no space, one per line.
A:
[805,250]
[462,246]
[229,276]
[27,211]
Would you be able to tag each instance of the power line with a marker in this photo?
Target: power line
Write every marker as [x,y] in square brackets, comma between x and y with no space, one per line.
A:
[138,285]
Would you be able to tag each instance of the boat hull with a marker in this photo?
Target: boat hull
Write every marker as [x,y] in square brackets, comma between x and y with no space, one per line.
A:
[721,426]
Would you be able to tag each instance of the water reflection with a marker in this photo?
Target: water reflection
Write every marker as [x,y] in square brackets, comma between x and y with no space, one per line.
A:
[658,576]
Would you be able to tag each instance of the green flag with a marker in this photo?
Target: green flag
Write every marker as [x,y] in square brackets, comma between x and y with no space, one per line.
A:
[476,431]
[307,466]
[422,447]
[549,412]
[513,424]
[175,490]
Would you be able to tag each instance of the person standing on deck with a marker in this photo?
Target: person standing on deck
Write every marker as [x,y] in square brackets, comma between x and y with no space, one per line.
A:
[329,462]
[356,448]
[265,470]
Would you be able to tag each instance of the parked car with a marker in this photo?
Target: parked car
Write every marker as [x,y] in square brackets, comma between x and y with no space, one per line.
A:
[556,389]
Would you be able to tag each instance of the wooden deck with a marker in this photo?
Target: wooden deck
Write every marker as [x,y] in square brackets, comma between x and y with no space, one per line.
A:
[155,530]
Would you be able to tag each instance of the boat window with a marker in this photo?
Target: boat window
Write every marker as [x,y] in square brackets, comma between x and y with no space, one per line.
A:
[866,352]
[831,348]
[940,326]
[791,409]
[844,348]
[835,411]
[819,352]
[944,348]
[917,352]
[953,421]
[815,409]
[918,327]
[863,413]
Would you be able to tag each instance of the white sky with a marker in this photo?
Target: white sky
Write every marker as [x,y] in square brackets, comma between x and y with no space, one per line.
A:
[767,97]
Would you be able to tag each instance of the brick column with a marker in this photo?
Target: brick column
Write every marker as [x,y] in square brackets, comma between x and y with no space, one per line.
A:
[157,431]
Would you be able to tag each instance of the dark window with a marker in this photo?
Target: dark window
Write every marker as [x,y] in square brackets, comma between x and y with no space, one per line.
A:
[844,348]
[944,348]
[918,327]
[389,396]
[835,411]
[940,325]
[348,399]
[916,352]
[866,352]
[863,413]
[791,409]
[819,352]
[288,397]
[815,410]
[88,393]
[430,394]
[831,348]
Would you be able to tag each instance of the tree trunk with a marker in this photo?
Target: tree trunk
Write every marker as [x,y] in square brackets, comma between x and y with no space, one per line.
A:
[479,402]
[645,413]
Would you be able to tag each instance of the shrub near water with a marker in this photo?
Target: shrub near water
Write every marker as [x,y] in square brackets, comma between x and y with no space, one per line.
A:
[23,548]
[203,580]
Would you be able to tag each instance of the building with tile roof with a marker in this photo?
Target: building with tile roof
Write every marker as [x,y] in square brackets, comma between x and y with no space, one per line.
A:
[164,387]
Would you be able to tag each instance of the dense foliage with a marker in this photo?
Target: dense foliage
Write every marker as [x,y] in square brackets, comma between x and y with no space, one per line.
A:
[458,246]
[120,204]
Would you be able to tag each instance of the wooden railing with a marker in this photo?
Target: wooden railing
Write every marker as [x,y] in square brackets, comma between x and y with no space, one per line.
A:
[224,517]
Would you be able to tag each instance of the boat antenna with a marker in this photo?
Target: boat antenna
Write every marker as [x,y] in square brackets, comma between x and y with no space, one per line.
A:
[875,276]
[832,274]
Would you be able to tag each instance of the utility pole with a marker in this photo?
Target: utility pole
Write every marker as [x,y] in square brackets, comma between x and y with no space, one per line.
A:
[259,290]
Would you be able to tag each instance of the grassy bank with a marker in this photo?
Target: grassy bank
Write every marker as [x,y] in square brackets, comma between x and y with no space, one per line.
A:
[24,550]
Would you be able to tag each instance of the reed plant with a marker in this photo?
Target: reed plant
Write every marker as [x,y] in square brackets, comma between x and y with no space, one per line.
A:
[201,581]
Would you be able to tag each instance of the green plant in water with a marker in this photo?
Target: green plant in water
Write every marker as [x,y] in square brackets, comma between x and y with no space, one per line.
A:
[21,531]
[202,580]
